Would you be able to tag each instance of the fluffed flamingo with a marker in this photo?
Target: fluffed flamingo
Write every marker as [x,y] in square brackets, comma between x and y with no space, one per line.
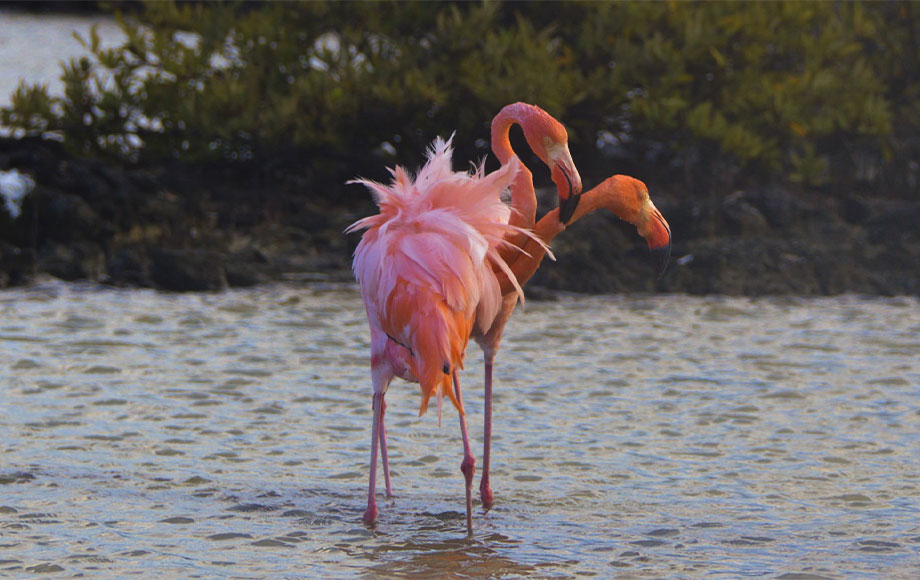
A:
[427,267]
[548,139]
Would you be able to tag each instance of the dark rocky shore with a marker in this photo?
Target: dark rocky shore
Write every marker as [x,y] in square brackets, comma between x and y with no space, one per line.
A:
[212,228]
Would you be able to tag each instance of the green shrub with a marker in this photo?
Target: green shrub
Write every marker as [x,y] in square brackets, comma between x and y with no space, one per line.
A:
[760,81]
[694,91]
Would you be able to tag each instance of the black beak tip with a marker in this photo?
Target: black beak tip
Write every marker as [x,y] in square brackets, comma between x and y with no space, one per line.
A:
[567,208]
[662,256]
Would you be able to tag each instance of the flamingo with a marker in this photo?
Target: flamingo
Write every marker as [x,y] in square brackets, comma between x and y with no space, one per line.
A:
[514,254]
[426,265]
[548,139]
[624,196]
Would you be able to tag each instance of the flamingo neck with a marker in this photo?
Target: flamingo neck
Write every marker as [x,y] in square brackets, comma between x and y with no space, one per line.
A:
[517,113]
[613,194]
[606,195]
[523,197]
[618,194]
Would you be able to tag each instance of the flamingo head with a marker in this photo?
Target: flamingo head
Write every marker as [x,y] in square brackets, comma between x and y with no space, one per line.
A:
[628,199]
[550,141]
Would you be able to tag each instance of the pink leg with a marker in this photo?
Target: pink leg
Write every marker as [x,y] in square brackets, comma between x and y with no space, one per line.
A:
[485,490]
[468,466]
[370,516]
[383,448]
[490,344]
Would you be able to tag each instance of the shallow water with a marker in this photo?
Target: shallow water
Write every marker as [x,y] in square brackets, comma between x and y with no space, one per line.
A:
[227,435]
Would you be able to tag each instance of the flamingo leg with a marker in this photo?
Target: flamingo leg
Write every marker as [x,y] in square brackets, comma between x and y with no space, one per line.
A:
[485,490]
[370,515]
[383,448]
[468,466]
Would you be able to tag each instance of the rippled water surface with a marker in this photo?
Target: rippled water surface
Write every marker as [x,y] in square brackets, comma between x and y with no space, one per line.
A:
[227,435]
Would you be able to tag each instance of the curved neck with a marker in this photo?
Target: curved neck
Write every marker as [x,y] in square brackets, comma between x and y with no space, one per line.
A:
[518,113]
[609,195]
[523,197]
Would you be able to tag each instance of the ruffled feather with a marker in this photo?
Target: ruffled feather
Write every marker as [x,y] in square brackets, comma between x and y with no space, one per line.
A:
[427,262]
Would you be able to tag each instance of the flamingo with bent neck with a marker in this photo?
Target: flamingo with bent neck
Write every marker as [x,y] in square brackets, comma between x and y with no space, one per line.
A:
[548,139]
[624,196]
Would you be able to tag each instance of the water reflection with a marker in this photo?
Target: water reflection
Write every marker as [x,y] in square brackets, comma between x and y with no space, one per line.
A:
[456,557]
[226,435]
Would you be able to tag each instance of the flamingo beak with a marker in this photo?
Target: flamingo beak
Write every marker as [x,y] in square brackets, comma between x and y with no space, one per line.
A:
[661,256]
[568,184]
[658,236]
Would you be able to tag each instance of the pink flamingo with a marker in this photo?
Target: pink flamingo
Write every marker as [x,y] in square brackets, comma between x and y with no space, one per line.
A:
[624,196]
[548,139]
[427,267]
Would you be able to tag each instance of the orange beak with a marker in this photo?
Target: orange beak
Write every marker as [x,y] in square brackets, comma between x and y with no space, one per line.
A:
[568,184]
[658,236]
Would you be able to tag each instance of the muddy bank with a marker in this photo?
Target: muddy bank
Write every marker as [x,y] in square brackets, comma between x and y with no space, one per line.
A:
[211,228]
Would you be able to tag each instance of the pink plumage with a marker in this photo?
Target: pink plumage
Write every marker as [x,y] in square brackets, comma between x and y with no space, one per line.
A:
[425,266]
[432,268]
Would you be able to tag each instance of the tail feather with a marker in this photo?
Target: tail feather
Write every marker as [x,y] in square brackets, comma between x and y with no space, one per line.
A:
[440,341]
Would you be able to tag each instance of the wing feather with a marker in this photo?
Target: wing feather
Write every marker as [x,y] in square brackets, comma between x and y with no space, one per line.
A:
[427,262]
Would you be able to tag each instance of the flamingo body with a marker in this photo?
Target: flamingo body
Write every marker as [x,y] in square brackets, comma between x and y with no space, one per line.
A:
[548,139]
[427,265]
